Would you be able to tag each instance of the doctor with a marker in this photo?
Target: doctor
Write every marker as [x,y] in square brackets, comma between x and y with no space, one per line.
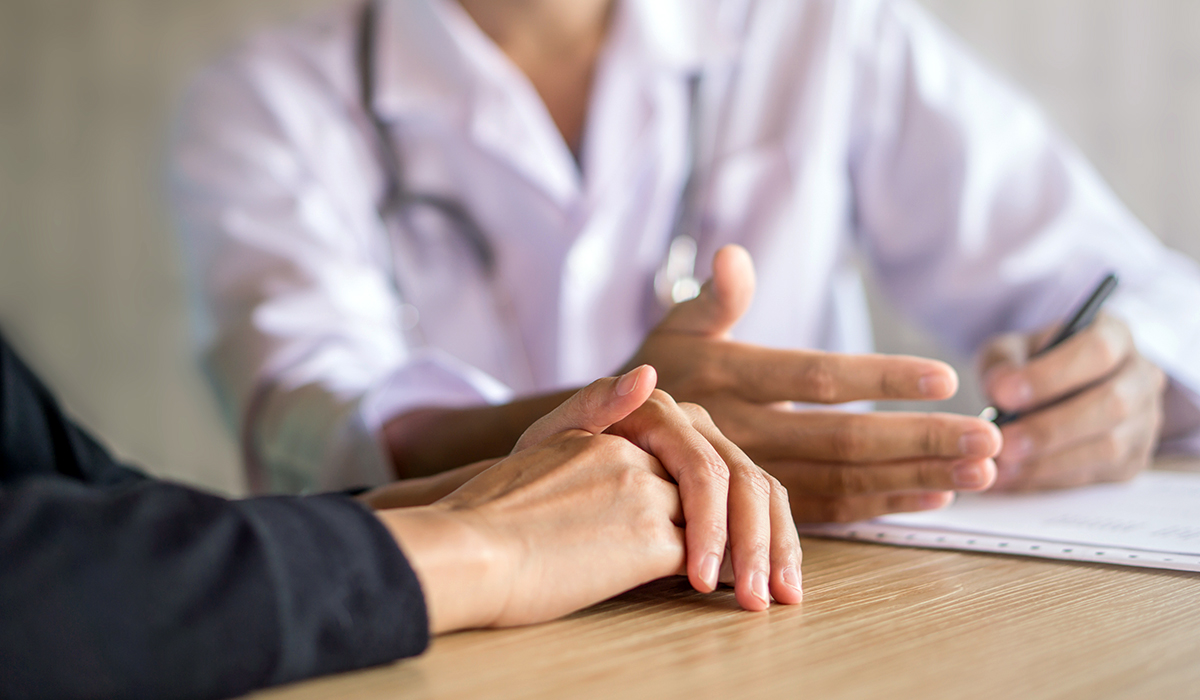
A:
[414,224]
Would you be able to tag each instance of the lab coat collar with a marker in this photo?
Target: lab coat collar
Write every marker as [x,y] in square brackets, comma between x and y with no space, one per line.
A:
[685,36]
[419,66]
[427,63]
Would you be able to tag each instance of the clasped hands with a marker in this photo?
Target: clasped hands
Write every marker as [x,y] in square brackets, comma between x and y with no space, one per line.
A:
[617,487]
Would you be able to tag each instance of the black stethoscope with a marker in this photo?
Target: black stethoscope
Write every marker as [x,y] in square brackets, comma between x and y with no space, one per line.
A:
[674,282]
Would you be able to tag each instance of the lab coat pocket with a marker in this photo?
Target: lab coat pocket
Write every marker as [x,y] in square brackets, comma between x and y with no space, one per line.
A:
[750,189]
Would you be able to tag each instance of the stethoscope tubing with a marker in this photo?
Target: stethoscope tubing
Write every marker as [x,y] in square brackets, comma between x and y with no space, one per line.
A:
[674,282]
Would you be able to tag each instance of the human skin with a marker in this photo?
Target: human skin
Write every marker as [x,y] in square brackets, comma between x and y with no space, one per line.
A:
[1094,407]
[577,514]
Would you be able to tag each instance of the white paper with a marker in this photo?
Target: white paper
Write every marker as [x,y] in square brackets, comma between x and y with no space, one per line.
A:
[1153,521]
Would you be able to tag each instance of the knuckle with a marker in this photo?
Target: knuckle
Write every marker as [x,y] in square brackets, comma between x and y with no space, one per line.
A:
[821,381]
[846,441]
[696,412]
[661,398]
[755,482]
[929,440]
[632,480]
[754,546]
[892,383]
[779,492]
[616,448]
[713,472]
[820,378]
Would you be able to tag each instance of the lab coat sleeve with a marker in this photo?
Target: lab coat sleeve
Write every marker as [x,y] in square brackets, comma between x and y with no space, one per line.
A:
[273,189]
[978,218]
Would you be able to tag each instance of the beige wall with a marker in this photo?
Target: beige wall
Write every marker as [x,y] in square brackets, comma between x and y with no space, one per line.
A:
[85,247]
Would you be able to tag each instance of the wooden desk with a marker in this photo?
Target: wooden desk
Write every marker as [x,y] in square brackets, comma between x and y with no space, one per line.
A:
[877,622]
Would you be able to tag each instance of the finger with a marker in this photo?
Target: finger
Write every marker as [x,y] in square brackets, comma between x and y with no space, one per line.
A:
[768,375]
[644,472]
[723,300]
[839,480]
[595,407]
[785,549]
[1079,362]
[664,430]
[834,436]
[1011,349]
[1085,416]
[817,509]
[751,541]
[667,494]
[1117,455]
[750,536]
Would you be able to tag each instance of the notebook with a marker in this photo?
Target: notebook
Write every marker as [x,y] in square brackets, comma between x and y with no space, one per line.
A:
[1152,522]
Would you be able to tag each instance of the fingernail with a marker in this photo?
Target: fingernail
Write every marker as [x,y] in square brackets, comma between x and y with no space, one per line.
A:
[758,586]
[969,476]
[791,577]
[977,443]
[710,568]
[934,385]
[629,383]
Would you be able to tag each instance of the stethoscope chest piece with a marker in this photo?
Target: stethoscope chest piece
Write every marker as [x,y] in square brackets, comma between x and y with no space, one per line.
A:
[675,282]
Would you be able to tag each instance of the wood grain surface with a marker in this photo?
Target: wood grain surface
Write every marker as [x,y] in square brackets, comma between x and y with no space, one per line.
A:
[877,622]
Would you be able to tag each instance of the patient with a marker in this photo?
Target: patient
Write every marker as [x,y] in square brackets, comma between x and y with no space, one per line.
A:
[114,584]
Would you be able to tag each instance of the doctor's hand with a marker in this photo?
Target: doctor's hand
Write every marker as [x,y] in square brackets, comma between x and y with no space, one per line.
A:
[1093,407]
[837,466]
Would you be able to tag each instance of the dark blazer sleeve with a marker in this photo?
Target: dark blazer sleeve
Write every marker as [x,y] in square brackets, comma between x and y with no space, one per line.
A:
[119,586]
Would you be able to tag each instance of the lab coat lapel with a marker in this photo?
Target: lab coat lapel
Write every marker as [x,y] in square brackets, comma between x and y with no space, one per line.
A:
[641,87]
[435,62]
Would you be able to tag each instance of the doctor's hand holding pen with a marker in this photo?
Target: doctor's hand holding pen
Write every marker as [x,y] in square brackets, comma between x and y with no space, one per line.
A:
[1085,411]
[607,492]
[838,466]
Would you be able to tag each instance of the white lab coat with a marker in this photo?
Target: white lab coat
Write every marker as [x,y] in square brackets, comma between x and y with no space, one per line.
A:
[838,132]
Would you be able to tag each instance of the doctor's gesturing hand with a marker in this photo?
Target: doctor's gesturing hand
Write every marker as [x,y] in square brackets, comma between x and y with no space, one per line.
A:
[838,466]
[1093,407]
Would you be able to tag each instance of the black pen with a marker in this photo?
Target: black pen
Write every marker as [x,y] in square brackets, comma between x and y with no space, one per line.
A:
[1080,320]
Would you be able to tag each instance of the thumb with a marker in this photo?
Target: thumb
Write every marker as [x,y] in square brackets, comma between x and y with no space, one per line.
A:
[723,300]
[594,408]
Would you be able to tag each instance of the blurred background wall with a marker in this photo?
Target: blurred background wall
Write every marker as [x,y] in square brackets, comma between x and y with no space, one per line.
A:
[87,252]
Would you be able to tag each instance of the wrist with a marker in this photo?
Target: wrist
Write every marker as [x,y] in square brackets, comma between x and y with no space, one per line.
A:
[463,571]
